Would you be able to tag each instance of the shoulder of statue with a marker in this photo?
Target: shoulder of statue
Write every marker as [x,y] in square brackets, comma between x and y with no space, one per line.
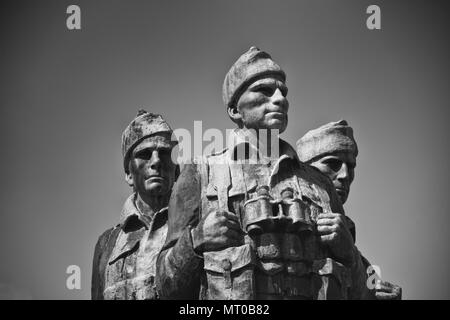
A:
[318,178]
[219,153]
[216,157]
[205,162]
[104,246]
[185,200]
[107,237]
[209,158]
[286,148]
[284,144]
[103,249]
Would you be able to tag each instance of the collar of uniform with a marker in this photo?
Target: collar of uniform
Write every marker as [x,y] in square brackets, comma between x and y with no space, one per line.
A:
[239,137]
[132,216]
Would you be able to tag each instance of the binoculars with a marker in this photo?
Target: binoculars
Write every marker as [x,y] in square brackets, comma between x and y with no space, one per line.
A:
[288,214]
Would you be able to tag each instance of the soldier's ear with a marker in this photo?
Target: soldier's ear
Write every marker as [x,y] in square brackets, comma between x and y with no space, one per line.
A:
[129,179]
[234,114]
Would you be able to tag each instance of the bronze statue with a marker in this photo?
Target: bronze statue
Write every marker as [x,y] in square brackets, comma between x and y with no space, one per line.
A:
[125,256]
[332,149]
[270,229]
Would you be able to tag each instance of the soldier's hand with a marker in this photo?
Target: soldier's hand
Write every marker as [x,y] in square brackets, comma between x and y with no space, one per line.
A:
[334,232]
[216,231]
[387,291]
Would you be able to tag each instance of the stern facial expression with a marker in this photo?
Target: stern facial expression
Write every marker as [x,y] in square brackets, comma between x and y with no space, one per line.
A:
[263,105]
[340,168]
[151,170]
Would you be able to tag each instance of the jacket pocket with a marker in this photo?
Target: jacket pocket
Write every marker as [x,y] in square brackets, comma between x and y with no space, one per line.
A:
[230,273]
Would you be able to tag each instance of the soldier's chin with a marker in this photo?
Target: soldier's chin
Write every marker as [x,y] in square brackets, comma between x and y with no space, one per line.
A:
[155,187]
[342,195]
[277,124]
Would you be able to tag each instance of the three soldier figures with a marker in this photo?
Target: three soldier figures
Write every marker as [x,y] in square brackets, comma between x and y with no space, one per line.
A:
[250,222]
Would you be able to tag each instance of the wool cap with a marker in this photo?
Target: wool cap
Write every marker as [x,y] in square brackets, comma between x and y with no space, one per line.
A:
[144,125]
[329,138]
[252,64]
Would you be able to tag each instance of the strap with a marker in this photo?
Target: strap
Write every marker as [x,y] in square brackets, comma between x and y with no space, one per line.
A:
[221,179]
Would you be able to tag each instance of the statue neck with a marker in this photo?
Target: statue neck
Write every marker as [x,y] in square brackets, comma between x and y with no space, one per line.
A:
[151,205]
[263,139]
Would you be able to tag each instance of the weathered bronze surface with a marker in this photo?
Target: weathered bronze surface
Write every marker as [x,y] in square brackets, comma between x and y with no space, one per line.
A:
[256,220]
[125,256]
[270,229]
[332,149]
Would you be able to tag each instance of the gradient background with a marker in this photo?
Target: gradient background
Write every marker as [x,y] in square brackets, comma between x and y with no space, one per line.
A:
[66,97]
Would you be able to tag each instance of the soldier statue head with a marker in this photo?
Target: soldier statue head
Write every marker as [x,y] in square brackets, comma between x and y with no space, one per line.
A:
[254,92]
[231,214]
[332,149]
[146,150]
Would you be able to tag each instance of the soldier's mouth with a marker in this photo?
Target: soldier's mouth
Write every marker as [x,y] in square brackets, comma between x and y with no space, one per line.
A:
[276,114]
[155,178]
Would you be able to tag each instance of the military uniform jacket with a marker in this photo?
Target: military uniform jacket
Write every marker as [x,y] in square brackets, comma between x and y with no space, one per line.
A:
[125,256]
[273,264]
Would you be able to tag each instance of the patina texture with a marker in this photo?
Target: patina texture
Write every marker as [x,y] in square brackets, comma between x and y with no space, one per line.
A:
[332,149]
[274,229]
[252,64]
[124,266]
[129,257]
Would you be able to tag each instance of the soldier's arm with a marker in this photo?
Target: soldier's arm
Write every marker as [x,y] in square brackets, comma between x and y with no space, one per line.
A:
[178,270]
[178,266]
[96,282]
[102,252]
[368,294]
[338,234]
[359,289]
[334,233]
[383,290]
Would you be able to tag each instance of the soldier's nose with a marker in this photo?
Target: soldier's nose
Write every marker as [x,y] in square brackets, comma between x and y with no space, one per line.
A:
[343,173]
[280,100]
[155,161]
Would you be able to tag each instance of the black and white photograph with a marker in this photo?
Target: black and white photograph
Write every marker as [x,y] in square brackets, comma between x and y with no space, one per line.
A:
[224,150]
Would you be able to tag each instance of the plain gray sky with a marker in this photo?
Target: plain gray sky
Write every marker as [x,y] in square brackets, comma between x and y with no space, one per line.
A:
[66,97]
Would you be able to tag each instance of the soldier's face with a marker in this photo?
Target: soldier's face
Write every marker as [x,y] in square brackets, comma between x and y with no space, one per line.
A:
[340,168]
[151,167]
[263,105]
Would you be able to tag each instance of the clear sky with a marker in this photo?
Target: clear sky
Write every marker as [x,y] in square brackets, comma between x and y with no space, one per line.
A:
[66,97]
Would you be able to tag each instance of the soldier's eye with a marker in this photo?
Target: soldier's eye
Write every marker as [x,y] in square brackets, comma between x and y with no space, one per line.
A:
[144,154]
[266,90]
[333,164]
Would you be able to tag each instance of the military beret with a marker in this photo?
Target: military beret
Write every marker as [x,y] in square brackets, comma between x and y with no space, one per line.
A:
[252,64]
[329,138]
[144,125]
